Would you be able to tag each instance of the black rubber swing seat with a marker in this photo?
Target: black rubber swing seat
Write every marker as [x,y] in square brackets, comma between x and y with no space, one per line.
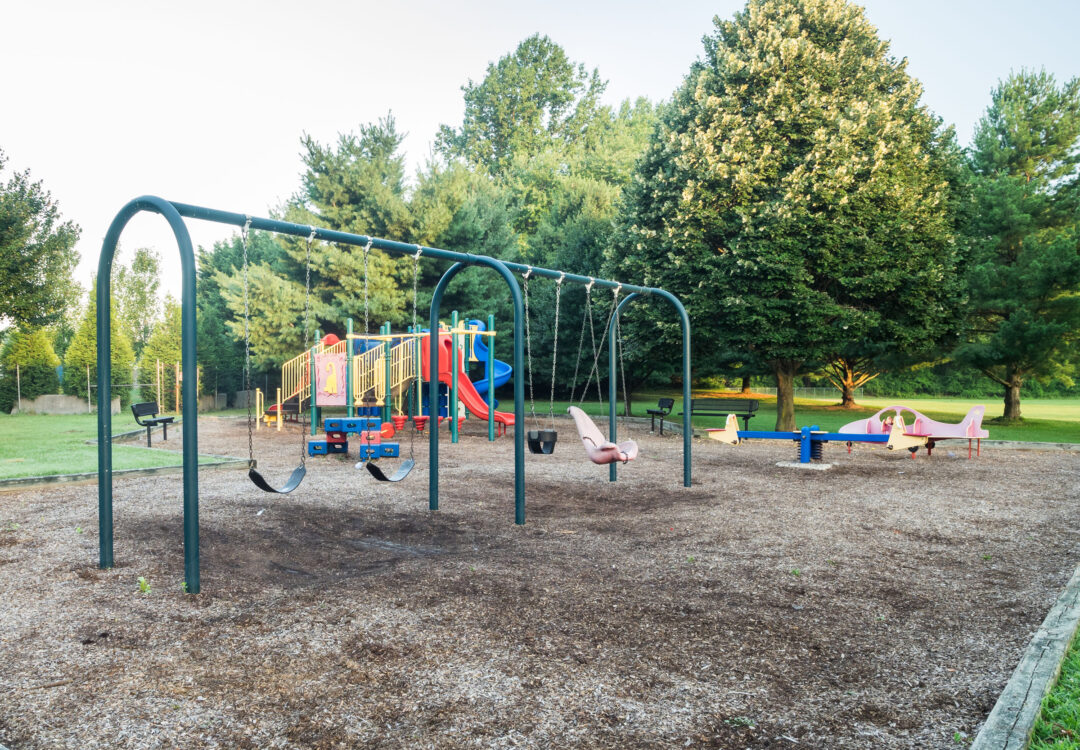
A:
[289,486]
[402,471]
[542,441]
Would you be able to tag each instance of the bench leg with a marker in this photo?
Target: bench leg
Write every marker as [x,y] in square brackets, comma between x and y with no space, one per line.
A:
[652,423]
[148,437]
[661,425]
[164,432]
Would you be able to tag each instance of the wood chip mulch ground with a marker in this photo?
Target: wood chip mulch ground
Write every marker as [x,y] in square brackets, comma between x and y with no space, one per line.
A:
[882,604]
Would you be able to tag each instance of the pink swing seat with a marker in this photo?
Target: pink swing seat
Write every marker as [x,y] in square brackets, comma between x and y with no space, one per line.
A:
[599,449]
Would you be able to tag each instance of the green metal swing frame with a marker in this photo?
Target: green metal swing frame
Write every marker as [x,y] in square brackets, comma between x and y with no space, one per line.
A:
[174,213]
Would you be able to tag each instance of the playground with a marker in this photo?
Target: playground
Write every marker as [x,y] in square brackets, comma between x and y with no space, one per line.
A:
[883,603]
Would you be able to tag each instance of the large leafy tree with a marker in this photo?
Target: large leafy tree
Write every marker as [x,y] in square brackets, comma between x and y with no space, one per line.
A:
[37,253]
[527,101]
[1024,275]
[792,189]
[136,290]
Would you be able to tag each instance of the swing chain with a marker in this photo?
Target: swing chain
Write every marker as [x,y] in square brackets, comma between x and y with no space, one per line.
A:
[555,347]
[415,278]
[247,344]
[309,340]
[367,330]
[528,344]
[585,316]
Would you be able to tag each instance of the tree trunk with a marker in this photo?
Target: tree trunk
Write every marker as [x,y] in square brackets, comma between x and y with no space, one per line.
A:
[746,386]
[847,393]
[1012,396]
[785,371]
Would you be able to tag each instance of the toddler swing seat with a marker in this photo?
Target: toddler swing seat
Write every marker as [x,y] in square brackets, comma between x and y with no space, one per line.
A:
[600,450]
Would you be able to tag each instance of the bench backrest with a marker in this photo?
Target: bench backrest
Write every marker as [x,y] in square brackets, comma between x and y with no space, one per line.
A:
[667,404]
[741,405]
[145,409]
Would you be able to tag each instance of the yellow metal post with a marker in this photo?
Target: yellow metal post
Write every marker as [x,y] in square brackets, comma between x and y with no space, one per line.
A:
[279,409]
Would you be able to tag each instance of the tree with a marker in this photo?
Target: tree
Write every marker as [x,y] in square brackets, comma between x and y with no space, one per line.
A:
[528,101]
[163,346]
[82,352]
[1023,278]
[37,253]
[136,289]
[28,366]
[792,187]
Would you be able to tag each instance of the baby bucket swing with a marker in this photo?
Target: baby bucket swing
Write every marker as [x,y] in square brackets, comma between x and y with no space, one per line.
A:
[598,448]
[407,465]
[542,441]
[298,473]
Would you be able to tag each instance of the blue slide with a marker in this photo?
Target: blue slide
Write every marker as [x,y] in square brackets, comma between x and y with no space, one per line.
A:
[503,371]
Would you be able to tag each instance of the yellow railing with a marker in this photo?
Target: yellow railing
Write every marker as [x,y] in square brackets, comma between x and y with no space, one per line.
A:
[369,377]
[368,371]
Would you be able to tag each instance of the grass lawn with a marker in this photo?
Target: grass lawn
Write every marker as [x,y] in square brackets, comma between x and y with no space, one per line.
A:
[1058,726]
[45,444]
[1047,420]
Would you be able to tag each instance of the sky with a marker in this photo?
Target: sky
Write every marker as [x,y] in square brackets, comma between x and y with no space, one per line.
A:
[206,102]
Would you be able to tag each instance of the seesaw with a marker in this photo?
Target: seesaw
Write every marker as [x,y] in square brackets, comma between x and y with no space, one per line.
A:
[811,439]
[969,428]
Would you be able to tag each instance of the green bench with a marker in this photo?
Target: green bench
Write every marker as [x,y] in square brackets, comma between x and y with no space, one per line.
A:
[745,408]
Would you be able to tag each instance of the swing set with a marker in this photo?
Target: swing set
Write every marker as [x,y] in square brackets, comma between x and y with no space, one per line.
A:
[175,213]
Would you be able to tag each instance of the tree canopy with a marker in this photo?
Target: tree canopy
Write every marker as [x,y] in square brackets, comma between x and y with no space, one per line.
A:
[794,191]
[37,253]
[1023,279]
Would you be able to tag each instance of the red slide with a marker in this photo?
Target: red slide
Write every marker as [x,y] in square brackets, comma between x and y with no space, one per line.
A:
[473,401]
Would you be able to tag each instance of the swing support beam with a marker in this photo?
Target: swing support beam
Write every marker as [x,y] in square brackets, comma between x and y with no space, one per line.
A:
[174,214]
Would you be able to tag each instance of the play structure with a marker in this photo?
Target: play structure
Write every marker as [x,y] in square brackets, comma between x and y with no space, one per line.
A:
[437,350]
[921,426]
[892,431]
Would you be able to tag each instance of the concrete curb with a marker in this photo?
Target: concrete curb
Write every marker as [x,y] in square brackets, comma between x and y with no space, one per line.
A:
[1009,725]
[27,483]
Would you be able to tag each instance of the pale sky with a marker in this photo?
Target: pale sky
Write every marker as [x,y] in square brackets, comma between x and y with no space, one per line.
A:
[205,102]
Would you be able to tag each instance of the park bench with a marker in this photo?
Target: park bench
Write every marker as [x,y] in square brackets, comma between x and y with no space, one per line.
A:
[150,409]
[721,407]
[663,408]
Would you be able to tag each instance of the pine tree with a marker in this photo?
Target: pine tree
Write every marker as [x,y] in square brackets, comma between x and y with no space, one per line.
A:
[82,353]
[27,366]
[1024,276]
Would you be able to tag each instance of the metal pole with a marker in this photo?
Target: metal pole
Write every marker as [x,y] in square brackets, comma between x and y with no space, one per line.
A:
[388,395]
[519,381]
[18,386]
[455,355]
[688,431]
[491,377]
[89,410]
[188,354]
[348,368]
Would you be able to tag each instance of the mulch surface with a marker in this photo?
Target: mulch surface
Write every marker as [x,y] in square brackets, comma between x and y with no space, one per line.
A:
[881,604]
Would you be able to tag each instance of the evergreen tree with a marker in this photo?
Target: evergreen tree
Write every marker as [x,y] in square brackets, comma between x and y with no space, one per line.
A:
[164,345]
[1024,274]
[793,189]
[27,366]
[82,353]
[221,350]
